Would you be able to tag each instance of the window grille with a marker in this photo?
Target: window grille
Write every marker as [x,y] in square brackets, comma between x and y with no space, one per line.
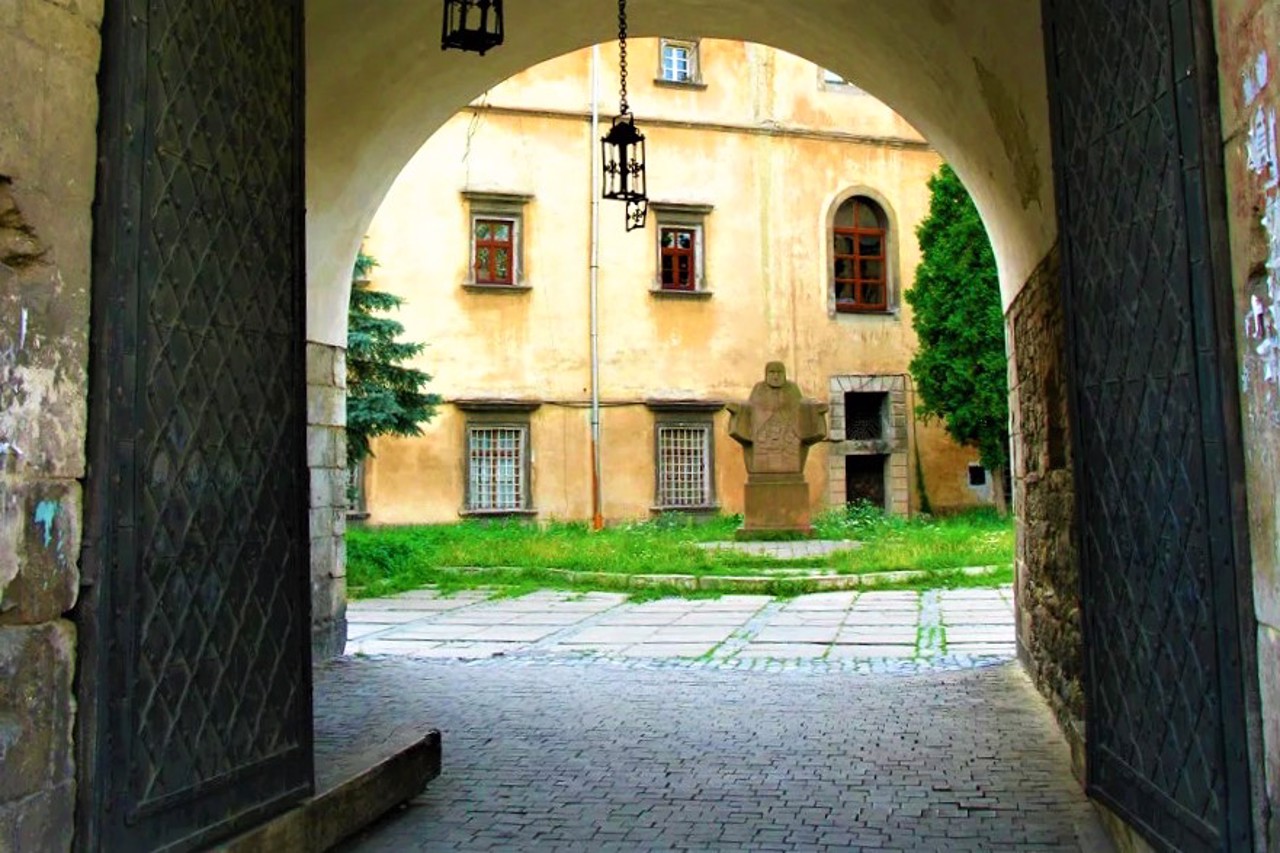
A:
[864,416]
[684,465]
[496,468]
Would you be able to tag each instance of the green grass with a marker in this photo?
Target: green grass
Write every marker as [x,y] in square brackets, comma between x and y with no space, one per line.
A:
[513,556]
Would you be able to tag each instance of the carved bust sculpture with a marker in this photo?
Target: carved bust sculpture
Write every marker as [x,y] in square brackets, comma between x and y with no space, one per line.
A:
[776,426]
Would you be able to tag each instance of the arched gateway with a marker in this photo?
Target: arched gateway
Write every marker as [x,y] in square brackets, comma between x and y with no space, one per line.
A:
[1098,165]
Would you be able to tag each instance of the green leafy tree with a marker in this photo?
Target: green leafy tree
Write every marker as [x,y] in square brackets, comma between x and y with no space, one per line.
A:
[383,397]
[960,367]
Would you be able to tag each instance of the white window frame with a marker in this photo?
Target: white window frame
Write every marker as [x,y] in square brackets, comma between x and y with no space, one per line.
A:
[509,207]
[693,61]
[833,82]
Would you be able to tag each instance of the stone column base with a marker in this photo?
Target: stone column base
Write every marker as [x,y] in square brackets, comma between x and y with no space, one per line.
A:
[776,506]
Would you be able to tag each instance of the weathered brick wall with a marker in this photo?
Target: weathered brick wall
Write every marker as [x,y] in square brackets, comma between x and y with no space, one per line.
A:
[1248,42]
[49,52]
[1047,578]
[327,459]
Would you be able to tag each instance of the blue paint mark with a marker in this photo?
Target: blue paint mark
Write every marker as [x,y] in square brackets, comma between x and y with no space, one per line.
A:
[46,515]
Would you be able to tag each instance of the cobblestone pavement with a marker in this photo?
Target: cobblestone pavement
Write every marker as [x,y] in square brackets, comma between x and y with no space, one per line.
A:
[604,757]
[886,632]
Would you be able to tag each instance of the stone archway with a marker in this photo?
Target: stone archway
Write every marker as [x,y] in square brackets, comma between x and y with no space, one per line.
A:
[974,84]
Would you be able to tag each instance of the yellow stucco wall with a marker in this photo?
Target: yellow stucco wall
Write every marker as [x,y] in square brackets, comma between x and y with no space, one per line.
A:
[771,150]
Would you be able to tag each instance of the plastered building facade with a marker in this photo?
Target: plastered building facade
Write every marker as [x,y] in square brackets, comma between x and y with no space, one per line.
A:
[756,159]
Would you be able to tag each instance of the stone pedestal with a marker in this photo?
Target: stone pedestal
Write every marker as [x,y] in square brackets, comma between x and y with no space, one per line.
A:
[776,506]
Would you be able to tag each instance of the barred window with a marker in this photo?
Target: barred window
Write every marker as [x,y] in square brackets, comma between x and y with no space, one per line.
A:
[496,468]
[684,465]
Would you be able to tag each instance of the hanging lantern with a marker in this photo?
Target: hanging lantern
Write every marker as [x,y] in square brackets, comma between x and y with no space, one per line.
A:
[472,25]
[623,145]
[623,161]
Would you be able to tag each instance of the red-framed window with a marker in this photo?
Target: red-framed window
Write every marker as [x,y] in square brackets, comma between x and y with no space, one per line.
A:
[678,249]
[859,257]
[494,259]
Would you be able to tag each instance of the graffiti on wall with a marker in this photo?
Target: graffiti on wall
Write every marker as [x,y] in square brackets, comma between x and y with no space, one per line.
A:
[1261,373]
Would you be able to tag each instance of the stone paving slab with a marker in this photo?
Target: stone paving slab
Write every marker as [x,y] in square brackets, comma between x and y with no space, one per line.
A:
[865,616]
[357,630]
[824,601]
[874,650]
[879,634]
[784,650]
[439,632]
[669,650]
[515,633]
[798,634]
[788,616]
[931,630]
[692,634]
[985,649]
[611,634]
[654,619]
[977,634]
[715,617]
[384,617]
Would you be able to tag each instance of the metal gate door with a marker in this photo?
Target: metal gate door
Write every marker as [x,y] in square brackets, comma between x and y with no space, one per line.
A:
[1135,116]
[196,680]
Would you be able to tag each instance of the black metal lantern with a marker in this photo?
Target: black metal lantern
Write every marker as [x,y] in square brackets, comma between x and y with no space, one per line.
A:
[623,149]
[472,25]
[623,146]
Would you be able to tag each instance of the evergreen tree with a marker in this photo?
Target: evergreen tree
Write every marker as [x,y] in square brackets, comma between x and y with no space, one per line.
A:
[960,367]
[383,398]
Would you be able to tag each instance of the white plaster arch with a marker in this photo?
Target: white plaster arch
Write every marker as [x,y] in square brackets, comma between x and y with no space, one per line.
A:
[893,264]
[972,82]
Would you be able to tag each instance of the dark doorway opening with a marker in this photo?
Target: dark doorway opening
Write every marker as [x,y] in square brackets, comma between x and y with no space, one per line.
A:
[864,415]
[864,479]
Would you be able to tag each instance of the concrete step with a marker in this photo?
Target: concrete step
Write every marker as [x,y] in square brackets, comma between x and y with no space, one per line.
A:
[372,753]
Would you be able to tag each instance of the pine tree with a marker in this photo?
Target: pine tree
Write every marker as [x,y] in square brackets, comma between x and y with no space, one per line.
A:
[383,398]
[960,367]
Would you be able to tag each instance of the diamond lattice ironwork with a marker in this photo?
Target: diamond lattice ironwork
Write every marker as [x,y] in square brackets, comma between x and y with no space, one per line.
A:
[212,566]
[1159,623]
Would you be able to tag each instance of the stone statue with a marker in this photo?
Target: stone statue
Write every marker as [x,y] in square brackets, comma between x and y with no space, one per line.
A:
[776,427]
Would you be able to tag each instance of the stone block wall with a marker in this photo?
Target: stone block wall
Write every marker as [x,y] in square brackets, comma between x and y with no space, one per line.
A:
[327,459]
[1248,44]
[1047,576]
[49,55]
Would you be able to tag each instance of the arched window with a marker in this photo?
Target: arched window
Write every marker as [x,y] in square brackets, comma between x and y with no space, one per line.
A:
[859,257]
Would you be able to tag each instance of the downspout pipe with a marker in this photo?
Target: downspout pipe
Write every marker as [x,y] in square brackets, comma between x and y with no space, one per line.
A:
[597,502]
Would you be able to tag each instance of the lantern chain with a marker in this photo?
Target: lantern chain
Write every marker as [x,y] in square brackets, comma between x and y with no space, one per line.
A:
[623,107]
